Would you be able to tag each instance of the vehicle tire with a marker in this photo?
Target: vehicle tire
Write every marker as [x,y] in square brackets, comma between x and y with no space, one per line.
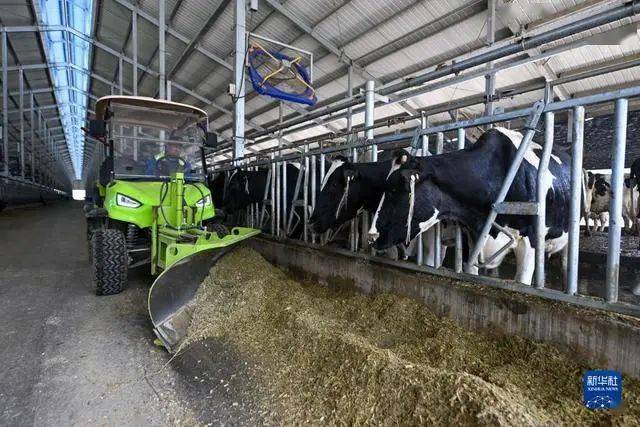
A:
[109,261]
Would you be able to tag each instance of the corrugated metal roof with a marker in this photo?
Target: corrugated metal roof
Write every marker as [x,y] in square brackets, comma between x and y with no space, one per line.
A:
[390,39]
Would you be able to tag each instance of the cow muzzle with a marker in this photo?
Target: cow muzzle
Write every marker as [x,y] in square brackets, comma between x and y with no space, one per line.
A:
[373,236]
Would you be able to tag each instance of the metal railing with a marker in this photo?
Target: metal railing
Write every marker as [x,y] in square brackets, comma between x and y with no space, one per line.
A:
[418,139]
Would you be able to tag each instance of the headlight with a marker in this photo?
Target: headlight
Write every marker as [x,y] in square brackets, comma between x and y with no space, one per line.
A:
[205,201]
[127,202]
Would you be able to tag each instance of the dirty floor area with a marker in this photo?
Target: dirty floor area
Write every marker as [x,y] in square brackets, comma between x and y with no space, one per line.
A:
[72,358]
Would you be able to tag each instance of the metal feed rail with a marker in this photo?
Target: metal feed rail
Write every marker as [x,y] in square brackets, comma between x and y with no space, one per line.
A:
[419,139]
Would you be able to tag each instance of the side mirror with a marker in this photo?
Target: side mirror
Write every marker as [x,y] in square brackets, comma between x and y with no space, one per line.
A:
[97,128]
[211,140]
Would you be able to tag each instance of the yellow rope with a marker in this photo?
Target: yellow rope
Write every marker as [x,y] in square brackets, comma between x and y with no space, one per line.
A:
[273,73]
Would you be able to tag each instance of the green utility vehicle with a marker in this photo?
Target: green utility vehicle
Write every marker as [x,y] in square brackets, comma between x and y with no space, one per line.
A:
[151,206]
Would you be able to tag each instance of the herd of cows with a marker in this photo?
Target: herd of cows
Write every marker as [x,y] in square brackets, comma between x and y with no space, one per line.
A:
[407,196]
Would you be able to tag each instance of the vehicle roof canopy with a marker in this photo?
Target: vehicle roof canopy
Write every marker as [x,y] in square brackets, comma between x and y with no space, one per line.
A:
[103,103]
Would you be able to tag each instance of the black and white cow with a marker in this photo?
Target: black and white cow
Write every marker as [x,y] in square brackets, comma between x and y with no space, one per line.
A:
[598,196]
[217,185]
[244,188]
[348,188]
[462,185]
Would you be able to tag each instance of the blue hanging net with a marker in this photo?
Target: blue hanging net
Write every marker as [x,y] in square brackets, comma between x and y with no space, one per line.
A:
[280,76]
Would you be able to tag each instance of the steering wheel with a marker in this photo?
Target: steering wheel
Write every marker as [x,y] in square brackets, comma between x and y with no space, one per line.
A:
[168,164]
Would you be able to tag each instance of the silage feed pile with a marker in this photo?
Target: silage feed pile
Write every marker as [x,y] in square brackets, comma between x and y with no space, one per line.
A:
[323,356]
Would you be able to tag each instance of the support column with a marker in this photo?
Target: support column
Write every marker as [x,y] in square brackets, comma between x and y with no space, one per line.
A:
[615,206]
[353,229]
[458,253]
[120,87]
[238,79]
[161,49]
[424,139]
[21,109]
[490,79]
[5,104]
[32,134]
[576,192]
[134,47]
[369,116]
[437,255]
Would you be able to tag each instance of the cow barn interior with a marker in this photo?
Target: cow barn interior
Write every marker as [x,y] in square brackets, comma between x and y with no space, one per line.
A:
[329,212]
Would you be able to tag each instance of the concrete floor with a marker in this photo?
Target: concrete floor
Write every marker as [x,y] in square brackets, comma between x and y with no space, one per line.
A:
[70,357]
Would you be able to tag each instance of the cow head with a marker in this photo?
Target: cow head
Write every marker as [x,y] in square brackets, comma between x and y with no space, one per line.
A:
[339,198]
[237,195]
[403,212]
[598,184]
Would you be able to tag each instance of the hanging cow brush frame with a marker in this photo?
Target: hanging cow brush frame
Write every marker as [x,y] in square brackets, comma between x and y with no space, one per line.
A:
[278,70]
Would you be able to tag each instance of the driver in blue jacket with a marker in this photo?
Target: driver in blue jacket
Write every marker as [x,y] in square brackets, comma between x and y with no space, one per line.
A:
[170,159]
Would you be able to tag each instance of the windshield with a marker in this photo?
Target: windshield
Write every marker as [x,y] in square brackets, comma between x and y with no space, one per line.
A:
[152,144]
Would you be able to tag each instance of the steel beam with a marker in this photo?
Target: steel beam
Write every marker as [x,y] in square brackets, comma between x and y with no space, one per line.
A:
[327,44]
[173,32]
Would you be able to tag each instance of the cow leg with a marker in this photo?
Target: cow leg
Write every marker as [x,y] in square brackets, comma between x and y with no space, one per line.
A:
[525,261]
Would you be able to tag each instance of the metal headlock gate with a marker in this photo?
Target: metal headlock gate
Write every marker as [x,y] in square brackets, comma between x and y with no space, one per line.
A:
[419,141]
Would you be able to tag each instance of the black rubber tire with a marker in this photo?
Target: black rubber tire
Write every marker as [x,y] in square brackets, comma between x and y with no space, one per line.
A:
[109,261]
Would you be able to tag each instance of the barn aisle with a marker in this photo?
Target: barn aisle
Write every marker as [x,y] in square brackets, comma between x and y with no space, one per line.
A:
[73,358]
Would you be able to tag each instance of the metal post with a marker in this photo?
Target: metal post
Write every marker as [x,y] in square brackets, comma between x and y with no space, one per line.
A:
[615,206]
[161,49]
[541,198]
[5,104]
[120,85]
[369,116]
[168,90]
[21,108]
[353,229]
[313,191]
[576,191]
[32,134]
[437,240]
[238,79]
[134,47]
[423,152]
[490,79]
[284,195]
[273,195]
[458,253]
[278,198]
[306,193]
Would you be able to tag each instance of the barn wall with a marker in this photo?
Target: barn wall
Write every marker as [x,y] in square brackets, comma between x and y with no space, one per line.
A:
[598,137]
[604,339]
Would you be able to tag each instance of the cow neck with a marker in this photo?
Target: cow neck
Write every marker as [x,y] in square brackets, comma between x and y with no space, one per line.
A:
[372,177]
[451,209]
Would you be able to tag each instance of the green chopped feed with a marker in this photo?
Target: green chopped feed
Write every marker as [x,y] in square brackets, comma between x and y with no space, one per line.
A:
[325,356]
